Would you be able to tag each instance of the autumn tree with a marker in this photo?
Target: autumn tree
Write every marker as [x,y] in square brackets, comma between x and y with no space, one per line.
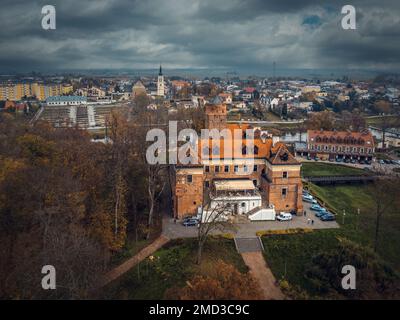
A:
[353,121]
[324,120]
[225,282]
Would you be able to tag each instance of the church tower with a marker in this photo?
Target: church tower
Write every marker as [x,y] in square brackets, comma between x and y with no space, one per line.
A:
[160,84]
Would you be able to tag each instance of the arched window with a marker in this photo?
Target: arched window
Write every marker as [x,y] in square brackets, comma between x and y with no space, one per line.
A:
[255,150]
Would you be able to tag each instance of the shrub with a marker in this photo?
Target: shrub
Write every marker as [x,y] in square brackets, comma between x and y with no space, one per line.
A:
[283,231]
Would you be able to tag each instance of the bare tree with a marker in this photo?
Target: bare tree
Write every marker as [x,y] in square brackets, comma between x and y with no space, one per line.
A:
[214,217]
[386,121]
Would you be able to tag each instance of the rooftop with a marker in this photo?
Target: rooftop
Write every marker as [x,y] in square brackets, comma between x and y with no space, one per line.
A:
[65,98]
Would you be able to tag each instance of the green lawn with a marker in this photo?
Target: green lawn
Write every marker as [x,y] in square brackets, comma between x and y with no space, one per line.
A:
[376,121]
[300,248]
[172,265]
[316,169]
[129,250]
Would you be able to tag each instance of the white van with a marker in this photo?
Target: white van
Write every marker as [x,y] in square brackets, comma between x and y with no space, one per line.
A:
[284,216]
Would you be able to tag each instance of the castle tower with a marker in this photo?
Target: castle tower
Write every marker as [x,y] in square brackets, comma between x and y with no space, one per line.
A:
[216,114]
[160,84]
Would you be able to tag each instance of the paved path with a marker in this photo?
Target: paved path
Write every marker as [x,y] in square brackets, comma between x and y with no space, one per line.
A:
[263,275]
[131,262]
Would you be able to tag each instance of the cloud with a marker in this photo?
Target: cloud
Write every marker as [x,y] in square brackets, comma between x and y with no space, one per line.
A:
[241,35]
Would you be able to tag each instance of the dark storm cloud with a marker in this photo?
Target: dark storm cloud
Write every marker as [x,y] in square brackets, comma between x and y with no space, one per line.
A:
[234,34]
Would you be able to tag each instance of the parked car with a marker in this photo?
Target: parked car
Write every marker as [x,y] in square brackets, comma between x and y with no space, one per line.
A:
[316,207]
[284,216]
[307,197]
[387,161]
[368,162]
[328,217]
[362,162]
[321,213]
[310,200]
[339,159]
[353,160]
[316,159]
[190,222]
[331,159]
[347,160]
[308,158]
[381,161]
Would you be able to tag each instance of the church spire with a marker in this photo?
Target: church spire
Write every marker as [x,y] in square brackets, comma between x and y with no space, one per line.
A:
[160,73]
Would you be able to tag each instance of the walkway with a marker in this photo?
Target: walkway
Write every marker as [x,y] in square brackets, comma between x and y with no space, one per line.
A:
[130,263]
[263,275]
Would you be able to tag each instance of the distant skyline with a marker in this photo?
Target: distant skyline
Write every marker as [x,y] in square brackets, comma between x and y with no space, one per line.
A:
[220,36]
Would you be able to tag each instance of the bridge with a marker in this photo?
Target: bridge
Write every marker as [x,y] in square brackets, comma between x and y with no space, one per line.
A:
[340,179]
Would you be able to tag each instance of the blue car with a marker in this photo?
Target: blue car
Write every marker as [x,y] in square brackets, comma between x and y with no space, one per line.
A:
[321,213]
[328,217]
[190,222]
[316,207]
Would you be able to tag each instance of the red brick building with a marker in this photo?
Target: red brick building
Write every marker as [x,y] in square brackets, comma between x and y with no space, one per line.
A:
[340,145]
[267,176]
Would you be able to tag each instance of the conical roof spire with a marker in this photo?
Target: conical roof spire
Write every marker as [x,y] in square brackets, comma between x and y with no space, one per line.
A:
[160,73]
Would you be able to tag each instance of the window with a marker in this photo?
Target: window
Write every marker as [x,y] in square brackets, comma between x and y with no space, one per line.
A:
[215,150]
[216,169]
[207,169]
[243,204]
[226,168]
[236,168]
[189,179]
[255,150]
[284,192]
[245,168]
[207,184]
[255,183]
[284,174]
[255,168]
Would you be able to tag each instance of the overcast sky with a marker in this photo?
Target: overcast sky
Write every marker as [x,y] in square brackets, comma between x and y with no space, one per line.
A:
[136,34]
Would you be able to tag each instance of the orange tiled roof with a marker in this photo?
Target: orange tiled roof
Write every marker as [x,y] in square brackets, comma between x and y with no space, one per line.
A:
[281,155]
[340,137]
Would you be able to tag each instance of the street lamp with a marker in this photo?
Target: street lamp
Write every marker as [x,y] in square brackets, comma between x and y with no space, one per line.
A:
[287,228]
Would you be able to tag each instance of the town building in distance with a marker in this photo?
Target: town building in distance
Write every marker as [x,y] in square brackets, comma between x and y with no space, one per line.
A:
[338,145]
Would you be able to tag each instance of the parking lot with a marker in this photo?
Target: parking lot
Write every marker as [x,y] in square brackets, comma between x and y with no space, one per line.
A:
[177,230]
[376,165]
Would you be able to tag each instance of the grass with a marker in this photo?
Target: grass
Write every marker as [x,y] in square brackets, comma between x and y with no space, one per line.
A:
[315,169]
[129,250]
[172,266]
[376,121]
[300,248]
